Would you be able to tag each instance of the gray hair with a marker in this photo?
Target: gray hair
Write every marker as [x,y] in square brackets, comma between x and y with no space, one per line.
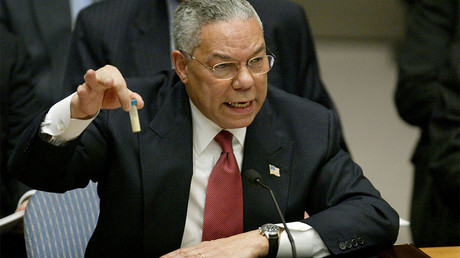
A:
[192,15]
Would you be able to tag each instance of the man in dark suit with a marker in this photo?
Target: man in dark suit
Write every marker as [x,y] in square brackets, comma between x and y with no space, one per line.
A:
[134,37]
[428,96]
[153,184]
[44,29]
[18,107]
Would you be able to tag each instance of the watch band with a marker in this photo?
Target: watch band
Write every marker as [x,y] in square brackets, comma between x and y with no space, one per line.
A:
[272,246]
[271,232]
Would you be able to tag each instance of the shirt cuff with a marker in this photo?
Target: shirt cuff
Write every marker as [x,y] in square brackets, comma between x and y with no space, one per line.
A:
[308,243]
[60,126]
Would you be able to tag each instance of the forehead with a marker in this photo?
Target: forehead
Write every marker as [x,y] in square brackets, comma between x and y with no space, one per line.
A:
[235,38]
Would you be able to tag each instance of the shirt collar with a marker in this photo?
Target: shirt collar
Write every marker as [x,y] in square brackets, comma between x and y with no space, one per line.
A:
[204,131]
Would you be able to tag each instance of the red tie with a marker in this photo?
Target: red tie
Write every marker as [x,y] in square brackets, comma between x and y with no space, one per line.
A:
[223,211]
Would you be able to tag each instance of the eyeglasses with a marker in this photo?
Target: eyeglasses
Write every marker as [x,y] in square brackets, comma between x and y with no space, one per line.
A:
[228,70]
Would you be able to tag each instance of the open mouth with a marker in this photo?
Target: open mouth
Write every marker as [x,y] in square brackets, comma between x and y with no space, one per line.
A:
[238,104]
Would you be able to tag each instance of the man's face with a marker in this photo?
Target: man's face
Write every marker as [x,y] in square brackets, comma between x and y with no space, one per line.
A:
[230,103]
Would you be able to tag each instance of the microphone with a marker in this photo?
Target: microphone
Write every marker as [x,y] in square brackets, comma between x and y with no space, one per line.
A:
[255,178]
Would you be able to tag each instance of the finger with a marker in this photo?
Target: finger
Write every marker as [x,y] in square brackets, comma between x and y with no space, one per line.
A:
[83,91]
[90,78]
[123,95]
[139,100]
[97,81]
[104,79]
[109,76]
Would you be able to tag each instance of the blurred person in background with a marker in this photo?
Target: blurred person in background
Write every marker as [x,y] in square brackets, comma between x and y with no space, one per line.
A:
[427,96]
[35,37]
[18,107]
[44,28]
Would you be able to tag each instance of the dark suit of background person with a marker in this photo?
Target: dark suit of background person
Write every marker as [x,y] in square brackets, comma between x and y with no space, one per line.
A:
[44,28]
[427,96]
[18,107]
[144,178]
[134,37]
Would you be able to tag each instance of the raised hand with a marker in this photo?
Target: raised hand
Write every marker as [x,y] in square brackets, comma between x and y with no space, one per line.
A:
[103,89]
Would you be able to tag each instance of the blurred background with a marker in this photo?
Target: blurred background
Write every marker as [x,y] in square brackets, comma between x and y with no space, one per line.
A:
[356,43]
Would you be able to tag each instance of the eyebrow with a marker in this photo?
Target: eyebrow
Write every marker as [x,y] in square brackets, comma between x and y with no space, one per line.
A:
[225,57]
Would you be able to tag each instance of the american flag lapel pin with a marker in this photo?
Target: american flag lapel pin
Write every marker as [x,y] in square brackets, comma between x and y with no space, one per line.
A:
[274,170]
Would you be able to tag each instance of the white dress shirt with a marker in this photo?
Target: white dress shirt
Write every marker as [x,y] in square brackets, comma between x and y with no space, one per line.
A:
[206,152]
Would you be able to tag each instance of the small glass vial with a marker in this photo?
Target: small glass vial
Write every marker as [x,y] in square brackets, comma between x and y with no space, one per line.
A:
[134,117]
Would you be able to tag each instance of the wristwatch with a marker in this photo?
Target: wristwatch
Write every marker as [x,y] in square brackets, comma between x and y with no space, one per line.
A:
[272,233]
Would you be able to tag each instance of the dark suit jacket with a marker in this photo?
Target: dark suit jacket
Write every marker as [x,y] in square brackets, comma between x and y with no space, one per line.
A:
[18,107]
[428,96]
[44,28]
[134,37]
[144,178]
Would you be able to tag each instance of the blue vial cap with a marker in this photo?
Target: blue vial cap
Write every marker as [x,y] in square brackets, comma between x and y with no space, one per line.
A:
[133,102]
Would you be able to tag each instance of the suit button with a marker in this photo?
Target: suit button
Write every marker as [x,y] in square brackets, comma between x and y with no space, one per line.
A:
[342,246]
[360,240]
[26,147]
[354,242]
[348,244]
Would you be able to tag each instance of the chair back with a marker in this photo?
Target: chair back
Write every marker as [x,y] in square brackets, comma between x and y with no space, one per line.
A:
[60,225]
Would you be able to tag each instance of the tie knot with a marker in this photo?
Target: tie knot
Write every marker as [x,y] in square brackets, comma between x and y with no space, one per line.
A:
[224,139]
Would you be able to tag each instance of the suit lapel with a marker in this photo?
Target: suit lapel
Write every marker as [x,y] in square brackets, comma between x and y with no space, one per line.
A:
[160,162]
[148,48]
[167,171]
[265,145]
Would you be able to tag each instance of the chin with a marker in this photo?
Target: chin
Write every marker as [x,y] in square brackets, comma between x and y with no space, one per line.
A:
[238,123]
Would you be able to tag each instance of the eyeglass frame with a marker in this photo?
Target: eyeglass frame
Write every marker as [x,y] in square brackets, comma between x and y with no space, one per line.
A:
[212,68]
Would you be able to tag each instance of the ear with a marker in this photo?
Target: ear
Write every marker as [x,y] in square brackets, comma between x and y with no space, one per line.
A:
[180,64]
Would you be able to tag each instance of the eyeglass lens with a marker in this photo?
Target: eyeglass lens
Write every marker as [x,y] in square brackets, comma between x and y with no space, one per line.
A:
[256,65]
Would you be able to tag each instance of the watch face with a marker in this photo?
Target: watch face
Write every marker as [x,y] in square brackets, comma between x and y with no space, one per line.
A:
[271,229]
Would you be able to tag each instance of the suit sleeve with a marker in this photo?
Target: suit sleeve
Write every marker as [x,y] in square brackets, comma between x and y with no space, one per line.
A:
[47,167]
[345,209]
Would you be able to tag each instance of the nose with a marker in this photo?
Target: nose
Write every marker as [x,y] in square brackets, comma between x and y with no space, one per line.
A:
[243,79]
